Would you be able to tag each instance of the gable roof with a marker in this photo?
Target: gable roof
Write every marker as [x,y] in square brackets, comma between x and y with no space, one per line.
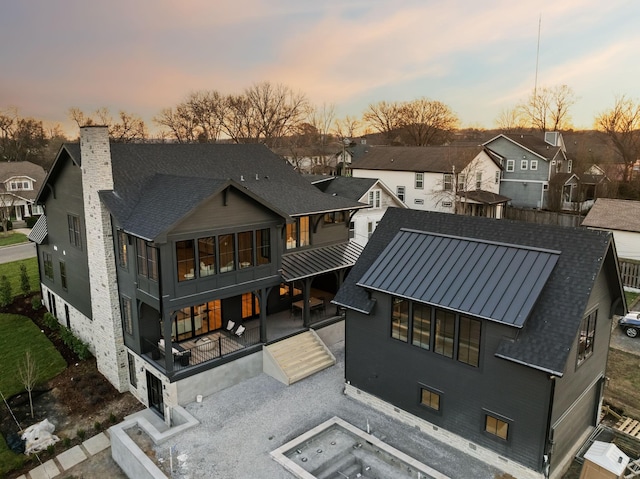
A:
[346,186]
[15,169]
[173,178]
[494,281]
[532,143]
[432,159]
[613,214]
[548,334]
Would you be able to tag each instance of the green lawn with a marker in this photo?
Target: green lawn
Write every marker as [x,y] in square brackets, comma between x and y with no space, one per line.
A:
[12,271]
[631,297]
[17,334]
[12,238]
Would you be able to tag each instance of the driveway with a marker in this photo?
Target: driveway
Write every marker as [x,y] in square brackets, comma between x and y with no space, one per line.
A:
[619,340]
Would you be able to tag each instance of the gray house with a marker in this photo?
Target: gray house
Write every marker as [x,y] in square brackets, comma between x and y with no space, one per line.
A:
[529,162]
[491,335]
[177,263]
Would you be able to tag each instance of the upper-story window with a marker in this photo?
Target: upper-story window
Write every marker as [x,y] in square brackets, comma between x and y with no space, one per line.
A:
[245,249]
[47,261]
[297,234]
[20,185]
[419,181]
[226,247]
[374,198]
[263,246]
[524,164]
[533,166]
[587,337]
[511,165]
[447,182]
[334,217]
[497,178]
[207,255]
[400,192]
[123,260]
[478,181]
[75,238]
[147,259]
[569,166]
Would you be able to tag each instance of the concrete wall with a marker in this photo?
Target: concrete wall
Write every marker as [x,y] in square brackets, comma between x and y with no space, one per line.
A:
[131,459]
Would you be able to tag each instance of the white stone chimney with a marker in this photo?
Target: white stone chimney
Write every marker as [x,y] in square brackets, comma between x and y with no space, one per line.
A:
[107,340]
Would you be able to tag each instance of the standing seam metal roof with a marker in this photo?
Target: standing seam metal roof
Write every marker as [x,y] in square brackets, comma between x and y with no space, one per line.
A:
[307,263]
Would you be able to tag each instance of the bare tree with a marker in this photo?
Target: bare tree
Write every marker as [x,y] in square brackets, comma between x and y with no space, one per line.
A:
[28,374]
[128,128]
[547,109]
[21,139]
[385,118]
[427,122]
[622,125]
[6,209]
[511,120]
[347,127]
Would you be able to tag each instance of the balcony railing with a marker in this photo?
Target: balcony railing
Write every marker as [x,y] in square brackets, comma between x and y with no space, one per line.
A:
[204,348]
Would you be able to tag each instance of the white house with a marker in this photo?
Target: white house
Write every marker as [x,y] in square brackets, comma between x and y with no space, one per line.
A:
[449,179]
[373,191]
[622,218]
[19,185]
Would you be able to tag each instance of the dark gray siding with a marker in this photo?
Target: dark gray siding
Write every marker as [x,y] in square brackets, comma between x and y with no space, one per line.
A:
[67,200]
[327,234]
[393,370]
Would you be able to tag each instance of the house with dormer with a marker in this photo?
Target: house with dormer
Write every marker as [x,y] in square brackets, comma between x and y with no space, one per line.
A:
[490,335]
[178,263]
[529,163]
[19,185]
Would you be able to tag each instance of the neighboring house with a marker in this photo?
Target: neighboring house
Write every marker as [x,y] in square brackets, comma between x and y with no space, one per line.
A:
[622,218]
[349,152]
[308,160]
[496,332]
[176,261]
[363,223]
[576,192]
[19,185]
[529,163]
[450,179]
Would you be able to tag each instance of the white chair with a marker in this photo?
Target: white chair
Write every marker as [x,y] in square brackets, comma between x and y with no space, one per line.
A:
[241,329]
[230,325]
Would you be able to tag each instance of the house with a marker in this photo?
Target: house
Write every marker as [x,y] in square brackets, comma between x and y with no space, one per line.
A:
[19,185]
[309,160]
[529,164]
[177,263]
[490,335]
[622,218]
[363,223]
[577,192]
[451,179]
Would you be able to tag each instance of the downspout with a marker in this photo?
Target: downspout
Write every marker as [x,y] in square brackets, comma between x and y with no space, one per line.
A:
[548,447]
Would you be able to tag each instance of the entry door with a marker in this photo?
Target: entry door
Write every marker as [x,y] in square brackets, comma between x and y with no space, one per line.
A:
[154,386]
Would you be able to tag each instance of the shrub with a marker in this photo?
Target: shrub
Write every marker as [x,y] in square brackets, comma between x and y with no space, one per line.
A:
[81,434]
[25,285]
[112,418]
[5,291]
[50,321]
[76,345]
[66,442]
[9,226]
[51,449]
[97,426]
[31,220]
[36,303]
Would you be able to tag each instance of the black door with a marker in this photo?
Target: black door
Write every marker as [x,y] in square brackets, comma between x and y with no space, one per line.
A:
[154,385]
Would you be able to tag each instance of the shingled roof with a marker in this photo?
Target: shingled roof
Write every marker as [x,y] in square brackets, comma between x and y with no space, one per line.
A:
[345,186]
[174,178]
[433,159]
[534,144]
[612,214]
[12,169]
[550,330]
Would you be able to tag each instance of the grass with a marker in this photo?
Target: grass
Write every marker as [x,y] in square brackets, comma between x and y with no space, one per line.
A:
[623,387]
[17,335]
[631,298]
[12,238]
[12,272]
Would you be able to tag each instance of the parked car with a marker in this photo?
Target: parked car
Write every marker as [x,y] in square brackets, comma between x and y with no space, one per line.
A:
[631,323]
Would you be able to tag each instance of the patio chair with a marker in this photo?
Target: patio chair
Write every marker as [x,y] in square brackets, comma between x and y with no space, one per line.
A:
[241,329]
[230,325]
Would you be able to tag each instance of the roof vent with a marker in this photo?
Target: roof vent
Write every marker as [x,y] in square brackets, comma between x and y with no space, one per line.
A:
[241,177]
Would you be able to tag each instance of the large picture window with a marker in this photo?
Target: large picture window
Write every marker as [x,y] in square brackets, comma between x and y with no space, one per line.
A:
[226,246]
[186,260]
[245,249]
[445,332]
[587,337]
[400,319]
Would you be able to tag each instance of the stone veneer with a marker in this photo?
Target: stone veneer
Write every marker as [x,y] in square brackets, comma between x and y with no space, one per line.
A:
[107,337]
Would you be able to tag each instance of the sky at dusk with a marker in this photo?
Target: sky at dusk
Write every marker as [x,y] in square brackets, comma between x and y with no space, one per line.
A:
[478,57]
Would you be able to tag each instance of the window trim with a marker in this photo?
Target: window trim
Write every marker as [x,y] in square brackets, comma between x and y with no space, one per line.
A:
[123,259]
[126,312]
[432,391]
[63,275]
[524,165]
[401,192]
[533,165]
[447,182]
[419,180]
[47,265]
[499,419]
[374,197]
[75,230]
[511,166]
[588,329]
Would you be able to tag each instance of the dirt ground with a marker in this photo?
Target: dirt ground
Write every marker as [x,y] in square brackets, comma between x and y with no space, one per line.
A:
[80,402]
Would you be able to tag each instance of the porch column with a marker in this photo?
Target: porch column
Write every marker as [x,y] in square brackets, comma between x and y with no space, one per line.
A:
[263,294]
[306,296]
[168,344]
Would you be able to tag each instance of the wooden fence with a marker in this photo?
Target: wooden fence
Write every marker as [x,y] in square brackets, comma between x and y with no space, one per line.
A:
[542,217]
[630,273]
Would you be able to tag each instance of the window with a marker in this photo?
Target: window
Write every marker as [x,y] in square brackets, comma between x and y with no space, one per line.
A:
[447,182]
[370,228]
[418,201]
[524,164]
[303,228]
[352,229]
[374,198]
[292,235]
[74,231]
[444,333]
[497,180]
[132,370]
[419,181]
[47,261]
[298,233]
[429,399]
[226,246]
[147,259]
[421,330]
[496,426]
[185,259]
[122,249]
[569,166]
[67,316]
[469,341]
[207,256]
[400,319]
[263,242]
[245,249]
[400,192]
[533,166]
[587,336]
[447,204]
[63,275]
[478,181]
[462,182]
[334,217]
[127,319]
[511,165]
[250,306]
